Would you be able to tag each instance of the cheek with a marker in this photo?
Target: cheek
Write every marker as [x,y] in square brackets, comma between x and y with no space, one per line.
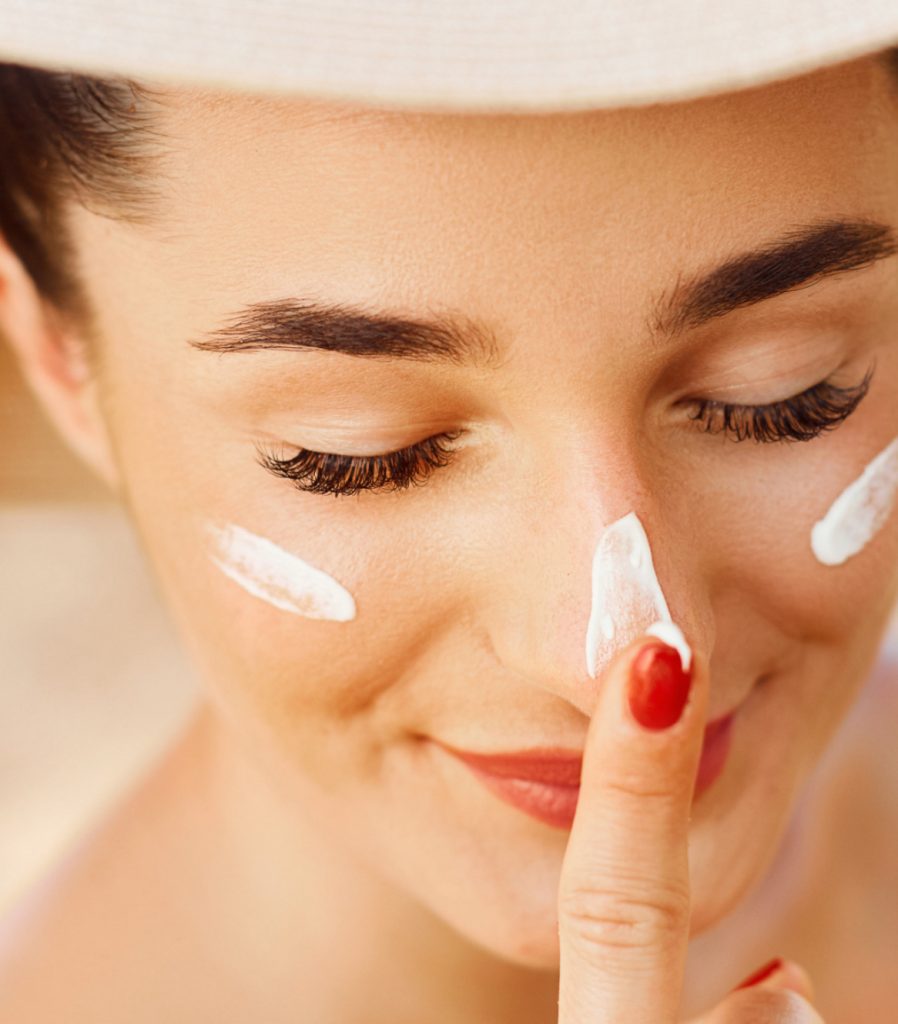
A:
[327,694]
[815,627]
[315,688]
[764,562]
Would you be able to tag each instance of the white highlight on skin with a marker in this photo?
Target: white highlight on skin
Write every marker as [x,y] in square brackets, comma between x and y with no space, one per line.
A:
[274,575]
[859,511]
[626,595]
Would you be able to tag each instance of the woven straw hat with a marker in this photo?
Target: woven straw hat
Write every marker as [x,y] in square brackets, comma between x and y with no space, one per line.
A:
[503,55]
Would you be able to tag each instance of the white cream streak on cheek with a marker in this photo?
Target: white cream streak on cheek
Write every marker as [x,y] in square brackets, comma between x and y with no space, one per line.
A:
[859,511]
[274,575]
[627,599]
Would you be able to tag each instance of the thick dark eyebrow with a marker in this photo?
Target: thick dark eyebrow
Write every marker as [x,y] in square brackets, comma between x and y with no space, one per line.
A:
[799,258]
[354,331]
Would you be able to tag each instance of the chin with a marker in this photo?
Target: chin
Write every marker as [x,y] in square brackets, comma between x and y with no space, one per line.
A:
[529,941]
[731,855]
[527,937]
[508,910]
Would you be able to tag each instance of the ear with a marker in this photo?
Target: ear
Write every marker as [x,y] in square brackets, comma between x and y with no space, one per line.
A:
[53,361]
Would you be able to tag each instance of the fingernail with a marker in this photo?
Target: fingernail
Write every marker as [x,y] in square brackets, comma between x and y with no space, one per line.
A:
[659,687]
[761,974]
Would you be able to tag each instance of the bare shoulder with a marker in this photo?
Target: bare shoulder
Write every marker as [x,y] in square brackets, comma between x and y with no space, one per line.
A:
[102,927]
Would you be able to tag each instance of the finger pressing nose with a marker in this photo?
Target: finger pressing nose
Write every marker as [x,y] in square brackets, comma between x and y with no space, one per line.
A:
[624,905]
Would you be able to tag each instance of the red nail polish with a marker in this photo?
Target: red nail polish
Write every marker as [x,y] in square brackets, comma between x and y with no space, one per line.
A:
[760,974]
[658,687]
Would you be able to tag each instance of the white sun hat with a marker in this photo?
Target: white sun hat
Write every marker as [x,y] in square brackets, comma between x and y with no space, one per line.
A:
[477,55]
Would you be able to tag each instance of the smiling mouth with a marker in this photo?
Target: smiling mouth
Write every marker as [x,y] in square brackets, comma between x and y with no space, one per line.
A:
[545,782]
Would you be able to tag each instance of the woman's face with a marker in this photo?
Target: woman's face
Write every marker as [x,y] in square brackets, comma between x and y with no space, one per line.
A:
[562,246]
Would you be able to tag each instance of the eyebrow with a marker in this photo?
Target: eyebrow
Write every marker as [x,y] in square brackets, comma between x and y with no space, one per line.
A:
[354,331]
[799,258]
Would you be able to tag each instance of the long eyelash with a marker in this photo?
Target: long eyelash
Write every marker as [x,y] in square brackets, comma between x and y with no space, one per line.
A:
[800,418]
[327,473]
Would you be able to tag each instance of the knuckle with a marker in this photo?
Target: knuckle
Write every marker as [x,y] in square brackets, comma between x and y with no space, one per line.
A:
[641,785]
[643,917]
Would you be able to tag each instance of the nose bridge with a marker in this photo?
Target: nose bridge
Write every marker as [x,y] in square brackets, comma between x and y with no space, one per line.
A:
[595,567]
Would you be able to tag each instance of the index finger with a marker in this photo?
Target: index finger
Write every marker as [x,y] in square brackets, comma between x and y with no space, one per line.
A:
[624,903]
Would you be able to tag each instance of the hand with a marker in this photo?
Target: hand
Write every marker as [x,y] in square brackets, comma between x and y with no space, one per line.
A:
[624,897]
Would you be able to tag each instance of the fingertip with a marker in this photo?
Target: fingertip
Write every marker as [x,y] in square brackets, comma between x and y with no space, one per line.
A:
[672,635]
[762,974]
[658,688]
[781,974]
[794,977]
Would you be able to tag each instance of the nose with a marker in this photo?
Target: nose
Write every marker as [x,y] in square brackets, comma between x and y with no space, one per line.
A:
[627,597]
[585,579]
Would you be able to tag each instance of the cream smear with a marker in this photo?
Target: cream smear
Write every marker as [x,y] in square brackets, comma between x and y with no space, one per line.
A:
[274,575]
[627,599]
[859,511]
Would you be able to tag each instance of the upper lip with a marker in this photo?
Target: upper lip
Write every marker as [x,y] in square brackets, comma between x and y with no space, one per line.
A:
[551,766]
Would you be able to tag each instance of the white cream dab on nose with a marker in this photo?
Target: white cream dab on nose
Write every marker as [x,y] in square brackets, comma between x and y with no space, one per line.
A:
[627,599]
[672,635]
[859,512]
[274,575]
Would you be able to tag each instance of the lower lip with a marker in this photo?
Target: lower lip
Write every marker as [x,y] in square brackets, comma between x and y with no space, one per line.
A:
[555,805]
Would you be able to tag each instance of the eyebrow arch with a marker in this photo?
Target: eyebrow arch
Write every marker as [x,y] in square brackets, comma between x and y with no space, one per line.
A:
[355,331]
[802,257]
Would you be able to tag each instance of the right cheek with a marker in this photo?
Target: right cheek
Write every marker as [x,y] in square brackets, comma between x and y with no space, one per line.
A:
[259,653]
[288,669]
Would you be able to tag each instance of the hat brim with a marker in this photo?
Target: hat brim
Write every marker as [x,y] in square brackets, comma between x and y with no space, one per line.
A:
[515,55]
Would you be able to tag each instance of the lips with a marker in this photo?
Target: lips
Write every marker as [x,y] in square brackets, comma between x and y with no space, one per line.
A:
[551,766]
[544,782]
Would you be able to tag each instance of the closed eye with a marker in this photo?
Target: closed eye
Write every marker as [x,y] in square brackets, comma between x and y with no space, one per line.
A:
[799,418]
[802,417]
[328,473]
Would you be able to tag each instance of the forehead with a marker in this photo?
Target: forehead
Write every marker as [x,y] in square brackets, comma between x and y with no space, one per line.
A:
[269,195]
[340,166]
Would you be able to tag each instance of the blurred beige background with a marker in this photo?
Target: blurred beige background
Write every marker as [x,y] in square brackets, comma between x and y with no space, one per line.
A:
[93,684]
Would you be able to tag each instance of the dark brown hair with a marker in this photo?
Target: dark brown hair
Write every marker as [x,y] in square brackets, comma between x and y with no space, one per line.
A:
[65,137]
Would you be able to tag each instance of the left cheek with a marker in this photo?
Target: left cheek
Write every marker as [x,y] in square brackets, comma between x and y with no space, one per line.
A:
[810,702]
[807,601]
[833,618]
[816,626]
[855,595]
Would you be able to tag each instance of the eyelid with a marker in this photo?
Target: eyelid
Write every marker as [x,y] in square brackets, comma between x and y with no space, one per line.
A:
[800,417]
[337,474]
[357,457]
